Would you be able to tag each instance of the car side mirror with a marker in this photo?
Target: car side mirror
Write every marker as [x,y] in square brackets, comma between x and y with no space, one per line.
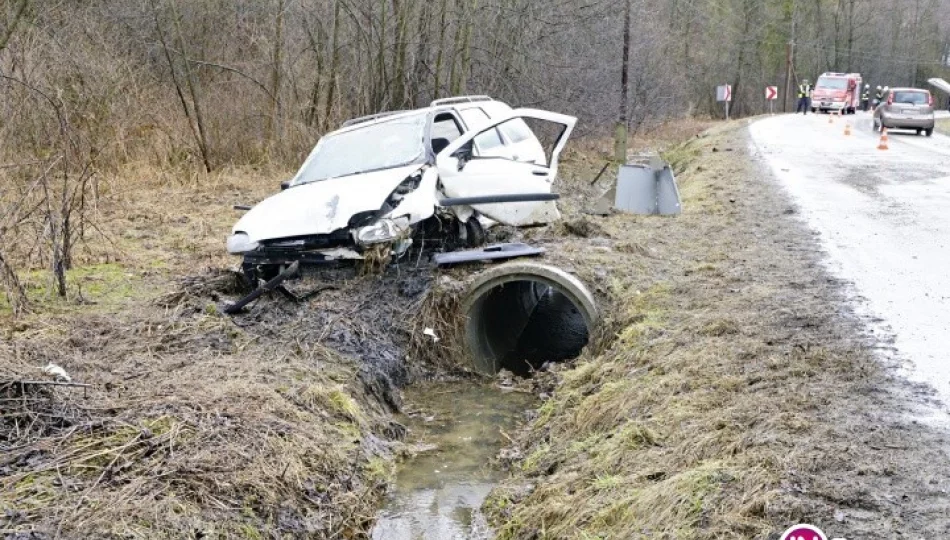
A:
[464,154]
[284,185]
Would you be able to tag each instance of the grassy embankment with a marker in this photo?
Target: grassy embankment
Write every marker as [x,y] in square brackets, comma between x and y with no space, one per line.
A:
[729,397]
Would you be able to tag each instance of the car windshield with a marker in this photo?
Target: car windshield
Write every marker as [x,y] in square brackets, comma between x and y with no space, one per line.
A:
[832,84]
[382,145]
[912,98]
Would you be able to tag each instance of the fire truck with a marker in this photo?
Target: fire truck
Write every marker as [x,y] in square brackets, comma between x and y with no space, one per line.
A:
[837,92]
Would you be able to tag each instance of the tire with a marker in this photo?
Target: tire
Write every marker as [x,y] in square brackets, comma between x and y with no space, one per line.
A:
[919,131]
[929,131]
[254,273]
[475,233]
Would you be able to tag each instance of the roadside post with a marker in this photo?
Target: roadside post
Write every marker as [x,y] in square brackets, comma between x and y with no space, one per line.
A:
[771,94]
[724,95]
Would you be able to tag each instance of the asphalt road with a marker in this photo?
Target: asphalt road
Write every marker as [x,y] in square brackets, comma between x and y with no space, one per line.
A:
[884,221]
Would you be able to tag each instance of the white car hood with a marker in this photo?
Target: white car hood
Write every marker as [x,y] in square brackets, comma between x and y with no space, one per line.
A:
[320,207]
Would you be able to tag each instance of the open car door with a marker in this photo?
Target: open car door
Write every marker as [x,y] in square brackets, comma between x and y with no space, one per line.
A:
[466,176]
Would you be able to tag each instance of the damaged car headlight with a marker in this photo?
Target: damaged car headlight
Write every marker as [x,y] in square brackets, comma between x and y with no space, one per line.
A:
[384,230]
[240,243]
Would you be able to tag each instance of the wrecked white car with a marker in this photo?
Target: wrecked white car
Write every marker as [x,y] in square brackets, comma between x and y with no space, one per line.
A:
[394,180]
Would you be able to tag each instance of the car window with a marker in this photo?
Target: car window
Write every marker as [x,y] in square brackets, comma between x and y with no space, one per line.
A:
[911,98]
[376,146]
[516,130]
[489,140]
[445,126]
[475,118]
[833,84]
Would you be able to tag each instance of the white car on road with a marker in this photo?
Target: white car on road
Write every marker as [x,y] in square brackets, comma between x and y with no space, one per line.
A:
[387,179]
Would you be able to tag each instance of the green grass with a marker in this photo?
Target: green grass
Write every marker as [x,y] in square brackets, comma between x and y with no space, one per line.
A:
[107,285]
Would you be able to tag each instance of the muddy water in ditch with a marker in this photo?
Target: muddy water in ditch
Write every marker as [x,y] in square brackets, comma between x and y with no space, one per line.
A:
[437,494]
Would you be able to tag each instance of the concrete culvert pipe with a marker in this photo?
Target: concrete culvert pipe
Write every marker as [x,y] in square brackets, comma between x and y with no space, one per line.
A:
[520,315]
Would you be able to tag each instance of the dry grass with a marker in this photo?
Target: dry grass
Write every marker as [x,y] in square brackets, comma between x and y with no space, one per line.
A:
[724,370]
[151,225]
[668,427]
[191,425]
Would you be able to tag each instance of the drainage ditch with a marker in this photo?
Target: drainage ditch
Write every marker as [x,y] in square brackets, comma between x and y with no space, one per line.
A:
[515,317]
[439,493]
[519,316]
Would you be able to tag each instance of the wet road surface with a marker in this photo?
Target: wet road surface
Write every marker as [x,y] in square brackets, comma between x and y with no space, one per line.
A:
[884,221]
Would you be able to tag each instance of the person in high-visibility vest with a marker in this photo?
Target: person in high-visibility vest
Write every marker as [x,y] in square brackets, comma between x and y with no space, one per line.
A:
[804,97]
[866,97]
[878,96]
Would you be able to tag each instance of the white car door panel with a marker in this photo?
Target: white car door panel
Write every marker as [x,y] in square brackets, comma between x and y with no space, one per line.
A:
[487,176]
[483,176]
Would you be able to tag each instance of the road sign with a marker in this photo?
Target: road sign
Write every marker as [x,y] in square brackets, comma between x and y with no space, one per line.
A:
[724,93]
[771,94]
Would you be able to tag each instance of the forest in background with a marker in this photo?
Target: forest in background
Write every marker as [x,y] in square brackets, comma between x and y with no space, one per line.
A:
[88,86]
[215,81]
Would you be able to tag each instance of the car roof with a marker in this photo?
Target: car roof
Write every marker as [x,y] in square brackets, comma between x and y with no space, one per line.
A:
[491,107]
[910,90]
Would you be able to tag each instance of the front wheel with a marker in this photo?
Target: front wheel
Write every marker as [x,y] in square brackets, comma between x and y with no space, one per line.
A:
[475,235]
[929,131]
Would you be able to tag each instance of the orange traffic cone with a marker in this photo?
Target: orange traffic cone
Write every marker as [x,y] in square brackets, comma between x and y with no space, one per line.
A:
[883,144]
[831,118]
[847,129]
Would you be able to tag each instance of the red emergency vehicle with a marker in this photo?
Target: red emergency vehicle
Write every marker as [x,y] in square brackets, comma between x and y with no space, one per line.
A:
[837,92]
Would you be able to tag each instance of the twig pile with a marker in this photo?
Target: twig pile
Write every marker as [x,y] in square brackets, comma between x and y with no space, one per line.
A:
[33,410]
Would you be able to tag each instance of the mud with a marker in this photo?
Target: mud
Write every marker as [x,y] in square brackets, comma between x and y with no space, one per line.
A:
[360,316]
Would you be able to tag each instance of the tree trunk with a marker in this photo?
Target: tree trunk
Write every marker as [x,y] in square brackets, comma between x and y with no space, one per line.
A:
[440,47]
[334,62]
[315,90]
[419,73]
[203,145]
[620,141]
[273,120]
